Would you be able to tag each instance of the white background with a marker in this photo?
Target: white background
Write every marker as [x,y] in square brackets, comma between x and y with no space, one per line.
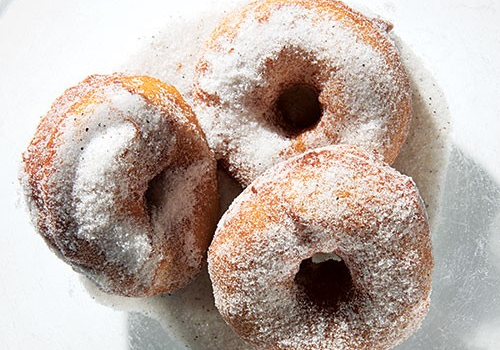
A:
[49,45]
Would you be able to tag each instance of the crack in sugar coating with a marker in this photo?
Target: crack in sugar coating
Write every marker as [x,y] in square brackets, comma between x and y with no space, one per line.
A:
[340,200]
[89,166]
[261,50]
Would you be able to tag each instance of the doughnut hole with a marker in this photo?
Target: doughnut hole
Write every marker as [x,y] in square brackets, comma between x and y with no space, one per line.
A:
[289,100]
[154,196]
[324,282]
[298,108]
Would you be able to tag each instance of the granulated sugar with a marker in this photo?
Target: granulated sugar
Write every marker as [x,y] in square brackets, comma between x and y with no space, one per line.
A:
[172,57]
[362,87]
[88,173]
[189,315]
[424,155]
[334,199]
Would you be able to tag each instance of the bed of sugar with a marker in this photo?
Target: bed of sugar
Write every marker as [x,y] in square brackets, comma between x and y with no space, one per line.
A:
[189,316]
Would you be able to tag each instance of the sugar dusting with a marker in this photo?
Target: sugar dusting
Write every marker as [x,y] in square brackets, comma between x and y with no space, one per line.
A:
[425,154]
[92,202]
[177,202]
[171,56]
[334,199]
[95,185]
[188,316]
[89,159]
[362,94]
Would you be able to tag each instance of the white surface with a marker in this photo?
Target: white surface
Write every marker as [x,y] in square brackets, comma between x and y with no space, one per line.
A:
[47,46]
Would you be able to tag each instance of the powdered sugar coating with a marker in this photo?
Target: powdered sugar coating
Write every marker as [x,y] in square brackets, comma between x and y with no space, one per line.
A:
[122,184]
[340,200]
[268,46]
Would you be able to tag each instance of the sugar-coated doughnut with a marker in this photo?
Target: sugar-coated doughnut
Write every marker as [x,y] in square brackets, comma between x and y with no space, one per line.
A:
[121,184]
[278,77]
[328,250]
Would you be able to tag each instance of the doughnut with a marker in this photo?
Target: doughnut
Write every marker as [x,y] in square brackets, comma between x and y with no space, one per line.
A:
[279,77]
[121,184]
[327,250]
